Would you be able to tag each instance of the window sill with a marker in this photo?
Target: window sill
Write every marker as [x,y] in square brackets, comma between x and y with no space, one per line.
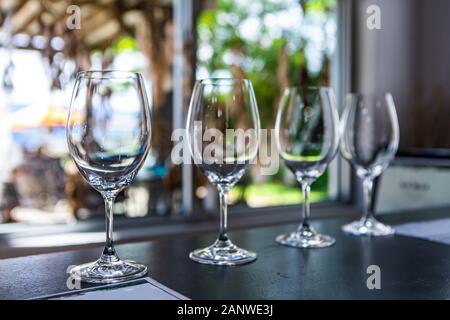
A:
[32,239]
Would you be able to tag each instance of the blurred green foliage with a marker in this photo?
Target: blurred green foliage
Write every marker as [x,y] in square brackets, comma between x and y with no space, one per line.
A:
[251,36]
[221,32]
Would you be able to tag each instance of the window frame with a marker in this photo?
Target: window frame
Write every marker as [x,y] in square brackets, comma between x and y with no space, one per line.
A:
[340,175]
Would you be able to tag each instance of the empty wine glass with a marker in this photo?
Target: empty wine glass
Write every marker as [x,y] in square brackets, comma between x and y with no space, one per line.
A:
[307,136]
[370,137]
[108,134]
[223,132]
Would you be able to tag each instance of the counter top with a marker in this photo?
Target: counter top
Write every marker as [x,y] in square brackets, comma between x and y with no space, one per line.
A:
[410,268]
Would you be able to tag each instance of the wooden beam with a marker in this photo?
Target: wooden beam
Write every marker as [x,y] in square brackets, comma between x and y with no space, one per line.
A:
[25,15]
[102,33]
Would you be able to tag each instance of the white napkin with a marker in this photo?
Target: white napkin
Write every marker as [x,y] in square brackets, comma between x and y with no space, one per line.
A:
[435,230]
[141,289]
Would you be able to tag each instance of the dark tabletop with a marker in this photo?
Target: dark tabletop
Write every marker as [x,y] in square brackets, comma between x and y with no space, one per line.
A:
[410,268]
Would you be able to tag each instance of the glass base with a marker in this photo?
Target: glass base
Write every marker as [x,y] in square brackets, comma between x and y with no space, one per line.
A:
[222,253]
[108,270]
[368,227]
[305,237]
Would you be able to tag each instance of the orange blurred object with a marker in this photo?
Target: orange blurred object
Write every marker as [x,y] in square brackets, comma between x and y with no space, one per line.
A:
[54,117]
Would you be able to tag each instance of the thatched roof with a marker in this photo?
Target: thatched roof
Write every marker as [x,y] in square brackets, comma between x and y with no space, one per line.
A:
[102,21]
[37,23]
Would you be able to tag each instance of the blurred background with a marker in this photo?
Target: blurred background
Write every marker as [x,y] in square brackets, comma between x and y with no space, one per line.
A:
[45,205]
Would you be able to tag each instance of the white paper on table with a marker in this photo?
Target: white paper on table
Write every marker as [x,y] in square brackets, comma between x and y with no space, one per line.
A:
[141,289]
[404,188]
[437,230]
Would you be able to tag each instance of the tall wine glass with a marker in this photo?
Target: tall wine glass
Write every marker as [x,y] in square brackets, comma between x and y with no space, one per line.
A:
[223,132]
[370,137]
[108,134]
[307,136]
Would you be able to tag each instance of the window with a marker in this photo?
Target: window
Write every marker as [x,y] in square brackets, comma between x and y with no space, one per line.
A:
[40,53]
[275,44]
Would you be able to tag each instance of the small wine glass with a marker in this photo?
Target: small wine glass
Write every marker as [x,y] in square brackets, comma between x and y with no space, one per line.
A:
[307,136]
[223,133]
[370,137]
[108,134]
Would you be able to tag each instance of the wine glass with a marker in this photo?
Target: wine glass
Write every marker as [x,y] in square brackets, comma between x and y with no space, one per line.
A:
[307,137]
[370,137]
[223,134]
[108,134]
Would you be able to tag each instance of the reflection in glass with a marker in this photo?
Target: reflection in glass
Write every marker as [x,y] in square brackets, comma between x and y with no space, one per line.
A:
[370,137]
[307,135]
[108,134]
[223,132]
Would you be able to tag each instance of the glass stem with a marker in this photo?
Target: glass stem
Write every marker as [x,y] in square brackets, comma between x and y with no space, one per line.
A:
[109,251]
[306,213]
[223,196]
[367,189]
